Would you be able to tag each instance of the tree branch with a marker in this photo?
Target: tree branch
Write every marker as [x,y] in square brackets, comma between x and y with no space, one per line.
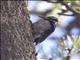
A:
[66,14]
[68,7]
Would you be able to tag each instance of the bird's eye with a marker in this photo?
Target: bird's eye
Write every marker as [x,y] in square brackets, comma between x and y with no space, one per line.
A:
[55,19]
[52,18]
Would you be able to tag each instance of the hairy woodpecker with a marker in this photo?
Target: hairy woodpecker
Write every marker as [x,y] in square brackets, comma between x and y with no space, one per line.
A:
[43,28]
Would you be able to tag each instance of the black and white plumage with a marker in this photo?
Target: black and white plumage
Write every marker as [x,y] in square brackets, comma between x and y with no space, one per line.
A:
[43,28]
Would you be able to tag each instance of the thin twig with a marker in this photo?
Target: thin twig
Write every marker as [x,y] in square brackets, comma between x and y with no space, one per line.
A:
[66,14]
[68,7]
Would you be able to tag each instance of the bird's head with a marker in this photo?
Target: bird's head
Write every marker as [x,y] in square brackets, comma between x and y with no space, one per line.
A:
[50,18]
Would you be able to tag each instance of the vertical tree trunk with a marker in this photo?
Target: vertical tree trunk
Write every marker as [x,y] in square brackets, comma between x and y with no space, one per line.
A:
[16,38]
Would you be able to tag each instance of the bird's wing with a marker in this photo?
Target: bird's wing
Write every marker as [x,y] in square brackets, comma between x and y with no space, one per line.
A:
[39,28]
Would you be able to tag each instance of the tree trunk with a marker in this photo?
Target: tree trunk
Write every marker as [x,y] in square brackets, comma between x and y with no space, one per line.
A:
[16,37]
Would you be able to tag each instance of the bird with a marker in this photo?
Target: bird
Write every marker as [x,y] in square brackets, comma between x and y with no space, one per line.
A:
[43,28]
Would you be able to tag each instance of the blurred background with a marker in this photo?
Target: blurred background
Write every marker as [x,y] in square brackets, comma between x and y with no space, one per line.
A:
[67,33]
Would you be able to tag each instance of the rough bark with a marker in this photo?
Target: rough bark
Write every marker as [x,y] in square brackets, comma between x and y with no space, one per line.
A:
[16,38]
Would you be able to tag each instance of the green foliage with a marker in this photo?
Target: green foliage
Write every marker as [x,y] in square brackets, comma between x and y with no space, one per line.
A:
[74,47]
[76,42]
[75,5]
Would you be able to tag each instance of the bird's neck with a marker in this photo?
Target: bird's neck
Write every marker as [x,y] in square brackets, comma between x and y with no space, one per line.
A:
[52,25]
